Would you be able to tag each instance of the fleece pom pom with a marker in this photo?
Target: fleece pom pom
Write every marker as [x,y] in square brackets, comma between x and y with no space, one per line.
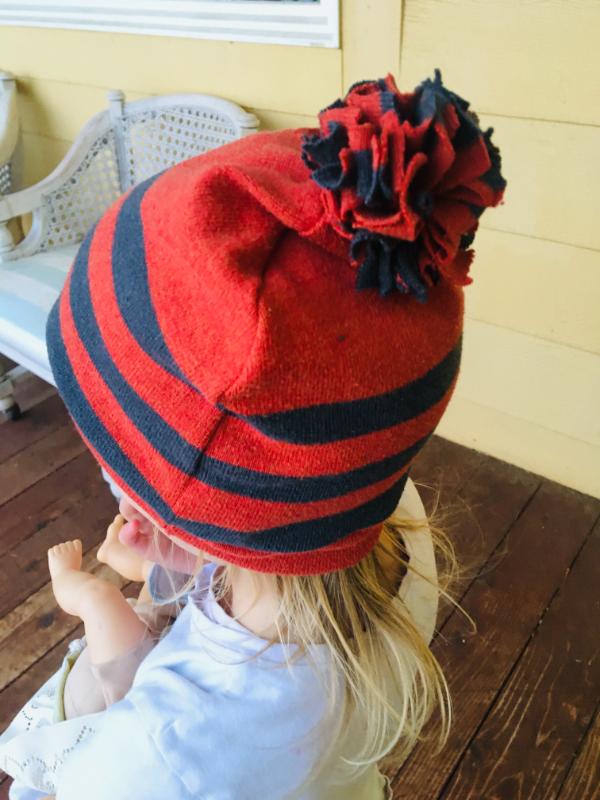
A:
[405,177]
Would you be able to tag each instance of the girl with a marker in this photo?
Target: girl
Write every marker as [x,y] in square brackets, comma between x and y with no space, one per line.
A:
[118,640]
[255,344]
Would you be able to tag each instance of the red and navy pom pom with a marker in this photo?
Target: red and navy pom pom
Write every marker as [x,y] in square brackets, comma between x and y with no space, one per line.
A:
[406,178]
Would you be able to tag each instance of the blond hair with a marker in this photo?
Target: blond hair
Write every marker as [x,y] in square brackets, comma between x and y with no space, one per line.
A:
[390,677]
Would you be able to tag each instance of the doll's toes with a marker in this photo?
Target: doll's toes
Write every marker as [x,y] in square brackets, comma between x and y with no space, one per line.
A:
[67,555]
[112,537]
[112,532]
[111,540]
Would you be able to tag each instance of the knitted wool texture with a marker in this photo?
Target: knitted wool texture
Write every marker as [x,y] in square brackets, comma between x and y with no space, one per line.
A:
[217,359]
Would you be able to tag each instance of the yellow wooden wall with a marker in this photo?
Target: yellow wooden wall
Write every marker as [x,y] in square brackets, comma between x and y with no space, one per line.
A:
[529,388]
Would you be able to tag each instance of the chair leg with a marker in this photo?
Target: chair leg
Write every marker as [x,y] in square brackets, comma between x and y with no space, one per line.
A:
[9,408]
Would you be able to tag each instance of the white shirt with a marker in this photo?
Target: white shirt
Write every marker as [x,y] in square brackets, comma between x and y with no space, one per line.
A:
[201,721]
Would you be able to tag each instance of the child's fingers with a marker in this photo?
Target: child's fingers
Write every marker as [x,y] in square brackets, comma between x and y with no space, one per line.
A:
[144,543]
[131,536]
[157,548]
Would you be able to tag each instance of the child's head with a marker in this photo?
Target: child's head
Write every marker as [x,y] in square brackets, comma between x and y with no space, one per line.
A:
[256,344]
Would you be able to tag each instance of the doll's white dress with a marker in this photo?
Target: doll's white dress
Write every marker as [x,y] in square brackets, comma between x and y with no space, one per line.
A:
[37,743]
[208,717]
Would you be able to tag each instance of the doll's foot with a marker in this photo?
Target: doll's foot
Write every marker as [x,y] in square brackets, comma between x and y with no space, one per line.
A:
[65,556]
[64,563]
[111,540]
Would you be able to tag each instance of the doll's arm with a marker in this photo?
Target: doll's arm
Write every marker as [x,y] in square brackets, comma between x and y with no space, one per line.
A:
[112,627]
[130,564]
[134,562]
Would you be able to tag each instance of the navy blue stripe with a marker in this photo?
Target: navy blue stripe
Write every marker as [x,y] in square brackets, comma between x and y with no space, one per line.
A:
[130,275]
[167,441]
[329,422]
[264,486]
[292,538]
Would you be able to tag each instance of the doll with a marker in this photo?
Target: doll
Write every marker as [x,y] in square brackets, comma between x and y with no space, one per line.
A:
[119,632]
[98,669]
[117,635]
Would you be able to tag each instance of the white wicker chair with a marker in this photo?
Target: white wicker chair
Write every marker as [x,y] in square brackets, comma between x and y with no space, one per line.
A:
[11,161]
[116,149]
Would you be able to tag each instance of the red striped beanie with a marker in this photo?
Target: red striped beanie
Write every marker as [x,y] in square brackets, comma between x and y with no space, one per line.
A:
[257,342]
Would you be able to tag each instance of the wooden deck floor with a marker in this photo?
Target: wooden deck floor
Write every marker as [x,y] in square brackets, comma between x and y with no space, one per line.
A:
[526,686]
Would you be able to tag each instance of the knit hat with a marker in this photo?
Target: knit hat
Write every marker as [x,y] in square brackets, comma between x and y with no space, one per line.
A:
[256,343]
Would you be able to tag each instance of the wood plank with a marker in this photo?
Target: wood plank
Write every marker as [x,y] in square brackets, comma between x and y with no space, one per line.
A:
[6,363]
[487,507]
[526,377]
[518,589]
[47,499]
[488,497]
[439,472]
[514,58]
[29,390]
[583,780]
[44,418]
[445,466]
[32,390]
[306,79]
[25,569]
[570,462]
[536,195]
[484,496]
[505,261]
[30,465]
[371,41]
[535,725]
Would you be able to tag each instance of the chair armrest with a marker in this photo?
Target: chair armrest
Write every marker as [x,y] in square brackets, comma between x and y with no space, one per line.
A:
[16,203]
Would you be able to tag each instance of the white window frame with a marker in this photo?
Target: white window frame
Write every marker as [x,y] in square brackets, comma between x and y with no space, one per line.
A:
[307,24]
